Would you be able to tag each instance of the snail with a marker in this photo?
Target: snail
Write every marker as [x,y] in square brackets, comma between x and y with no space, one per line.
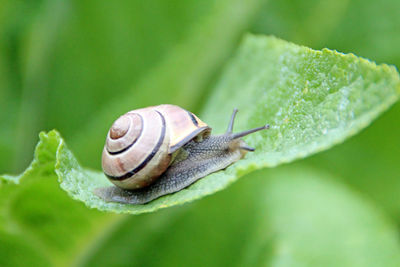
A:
[159,150]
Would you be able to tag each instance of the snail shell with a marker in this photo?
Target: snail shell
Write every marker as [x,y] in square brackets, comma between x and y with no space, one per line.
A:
[140,145]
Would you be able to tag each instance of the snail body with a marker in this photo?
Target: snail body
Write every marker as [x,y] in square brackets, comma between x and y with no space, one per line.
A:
[160,150]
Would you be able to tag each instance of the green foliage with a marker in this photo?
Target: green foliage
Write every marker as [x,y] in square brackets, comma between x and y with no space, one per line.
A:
[338,207]
[292,229]
[313,99]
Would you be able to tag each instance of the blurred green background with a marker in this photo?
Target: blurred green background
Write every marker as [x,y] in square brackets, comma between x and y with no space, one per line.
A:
[77,65]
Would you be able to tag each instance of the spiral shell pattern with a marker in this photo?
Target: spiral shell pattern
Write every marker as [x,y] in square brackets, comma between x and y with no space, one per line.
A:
[139,144]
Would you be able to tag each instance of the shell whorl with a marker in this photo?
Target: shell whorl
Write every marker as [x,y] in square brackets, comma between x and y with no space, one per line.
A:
[183,125]
[136,147]
[139,144]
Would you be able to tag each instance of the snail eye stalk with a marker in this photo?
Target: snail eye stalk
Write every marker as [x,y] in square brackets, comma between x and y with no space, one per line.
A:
[230,126]
[241,134]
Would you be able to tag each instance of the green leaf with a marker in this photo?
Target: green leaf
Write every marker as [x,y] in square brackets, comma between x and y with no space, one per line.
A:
[318,222]
[312,99]
[283,217]
[41,222]
[368,162]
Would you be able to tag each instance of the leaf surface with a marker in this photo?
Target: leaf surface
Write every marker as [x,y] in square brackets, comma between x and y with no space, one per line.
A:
[290,216]
[312,100]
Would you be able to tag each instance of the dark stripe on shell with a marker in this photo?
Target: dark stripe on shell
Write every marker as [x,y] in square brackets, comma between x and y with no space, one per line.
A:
[147,159]
[192,117]
[134,141]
